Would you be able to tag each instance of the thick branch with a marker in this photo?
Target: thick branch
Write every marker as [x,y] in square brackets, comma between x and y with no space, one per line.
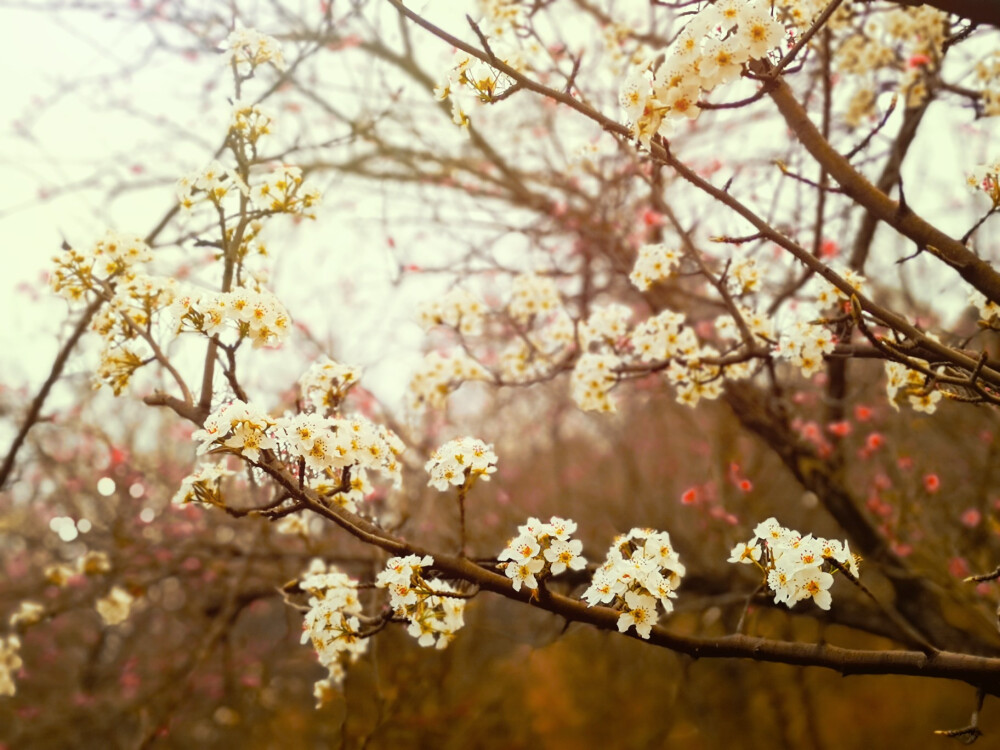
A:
[975,271]
[981,672]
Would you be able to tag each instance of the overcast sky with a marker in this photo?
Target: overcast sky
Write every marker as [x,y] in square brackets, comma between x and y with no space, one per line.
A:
[55,133]
[59,122]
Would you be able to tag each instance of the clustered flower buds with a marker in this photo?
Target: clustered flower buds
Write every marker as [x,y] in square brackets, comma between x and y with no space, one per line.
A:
[641,569]
[709,52]
[653,264]
[325,384]
[433,612]
[532,295]
[241,427]
[116,606]
[203,485]
[10,663]
[114,255]
[459,309]
[254,314]
[460,462]
[540,550]
[438,375]
[248,47]
[796,567]
[332,623]
[911,386]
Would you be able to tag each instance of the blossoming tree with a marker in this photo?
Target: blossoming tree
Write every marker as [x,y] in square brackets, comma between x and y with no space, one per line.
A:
[708,200]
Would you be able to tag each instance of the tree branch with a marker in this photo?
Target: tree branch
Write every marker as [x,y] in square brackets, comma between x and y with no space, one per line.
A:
[36,405]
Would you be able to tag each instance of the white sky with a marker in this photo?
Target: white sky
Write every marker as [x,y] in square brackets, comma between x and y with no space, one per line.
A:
[81,130]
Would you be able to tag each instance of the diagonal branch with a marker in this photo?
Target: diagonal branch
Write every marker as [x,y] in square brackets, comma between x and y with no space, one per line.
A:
[979,671]
[36,405]
[978,273]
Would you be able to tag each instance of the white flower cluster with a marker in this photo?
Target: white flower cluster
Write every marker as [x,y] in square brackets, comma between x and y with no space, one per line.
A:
[534,354]
[470,82]
[743,276]
[115,607]
[531,296]
[247,313]
[987,81]
[594,375]
[827,295]
[653,264]
[501,18]
[709,52]
[458,309]
[642,568]
[28,613]
[911,386]
[329,446]
[203,485]
[607,326]
[325,384]
[603,337]
[281,192]
[250,47]
[337,452]
[250,122]
[278,191]
[539,550]
[92,563]
[761,326]
[985,178]
[132,310]
[695,378]
[663,336]
[989,312]
[804,344]
[137,299]
[547,334]
[114,255]
[117,365]
[245,429]
[213,183]
[796,566]
[332,623]
[460,462]
[112,267]
[10,663]
[434,616]
[440,374]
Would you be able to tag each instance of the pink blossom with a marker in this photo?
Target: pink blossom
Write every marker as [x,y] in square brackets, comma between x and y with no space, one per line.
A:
[958,567]
[652,218]
[840,429]
[902,549]
[971,517]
